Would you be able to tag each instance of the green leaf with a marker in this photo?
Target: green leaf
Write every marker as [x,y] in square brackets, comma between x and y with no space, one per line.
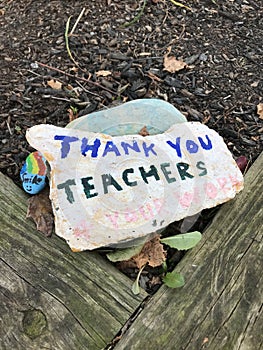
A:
[135,285]
[184,241]
[138,16]
[164,265]
[124,254]
[173,279]
[17,128]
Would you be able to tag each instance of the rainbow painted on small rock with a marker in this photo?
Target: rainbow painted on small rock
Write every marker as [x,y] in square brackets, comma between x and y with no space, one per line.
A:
[33,173]
[36,164]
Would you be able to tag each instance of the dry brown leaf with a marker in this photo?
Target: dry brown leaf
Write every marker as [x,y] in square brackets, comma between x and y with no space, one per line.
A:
[69,88]
[144,131]
[125,265]
[206,340]
[154,281]
[260,110]
[40,210]
[154,77]
[171,64]
[103,73]
[54,84]
[152,253]
[74,69]
[72,116]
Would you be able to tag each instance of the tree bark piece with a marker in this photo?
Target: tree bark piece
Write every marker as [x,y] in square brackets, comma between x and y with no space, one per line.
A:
[220,306]
[51,298]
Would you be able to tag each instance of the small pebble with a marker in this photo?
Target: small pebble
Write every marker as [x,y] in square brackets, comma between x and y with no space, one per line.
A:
[34,65]
[203,57]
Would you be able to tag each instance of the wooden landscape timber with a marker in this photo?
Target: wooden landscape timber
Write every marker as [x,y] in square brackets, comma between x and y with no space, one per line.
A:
[51,298]
[220,306]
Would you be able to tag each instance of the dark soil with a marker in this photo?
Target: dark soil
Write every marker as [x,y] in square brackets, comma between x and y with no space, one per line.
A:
[221,42]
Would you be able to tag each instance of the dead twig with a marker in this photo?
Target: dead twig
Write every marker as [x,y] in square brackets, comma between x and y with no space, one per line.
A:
[77,78]
[84,89]
[77,21]
[8,121]
[180,4]
[67,42]
[67,35]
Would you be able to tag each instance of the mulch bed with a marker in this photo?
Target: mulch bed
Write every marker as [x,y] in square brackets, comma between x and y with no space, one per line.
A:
[221,43]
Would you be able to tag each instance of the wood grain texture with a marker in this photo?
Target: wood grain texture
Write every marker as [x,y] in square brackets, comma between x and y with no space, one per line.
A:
[220,306]
[51,298]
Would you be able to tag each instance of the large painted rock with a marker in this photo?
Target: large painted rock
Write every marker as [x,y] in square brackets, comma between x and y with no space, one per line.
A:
[111,189]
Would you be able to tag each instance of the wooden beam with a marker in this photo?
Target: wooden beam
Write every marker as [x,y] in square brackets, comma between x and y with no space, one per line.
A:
[220,306]
[51,298]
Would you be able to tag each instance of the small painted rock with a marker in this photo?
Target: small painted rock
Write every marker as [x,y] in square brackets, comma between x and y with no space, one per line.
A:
[33,173]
